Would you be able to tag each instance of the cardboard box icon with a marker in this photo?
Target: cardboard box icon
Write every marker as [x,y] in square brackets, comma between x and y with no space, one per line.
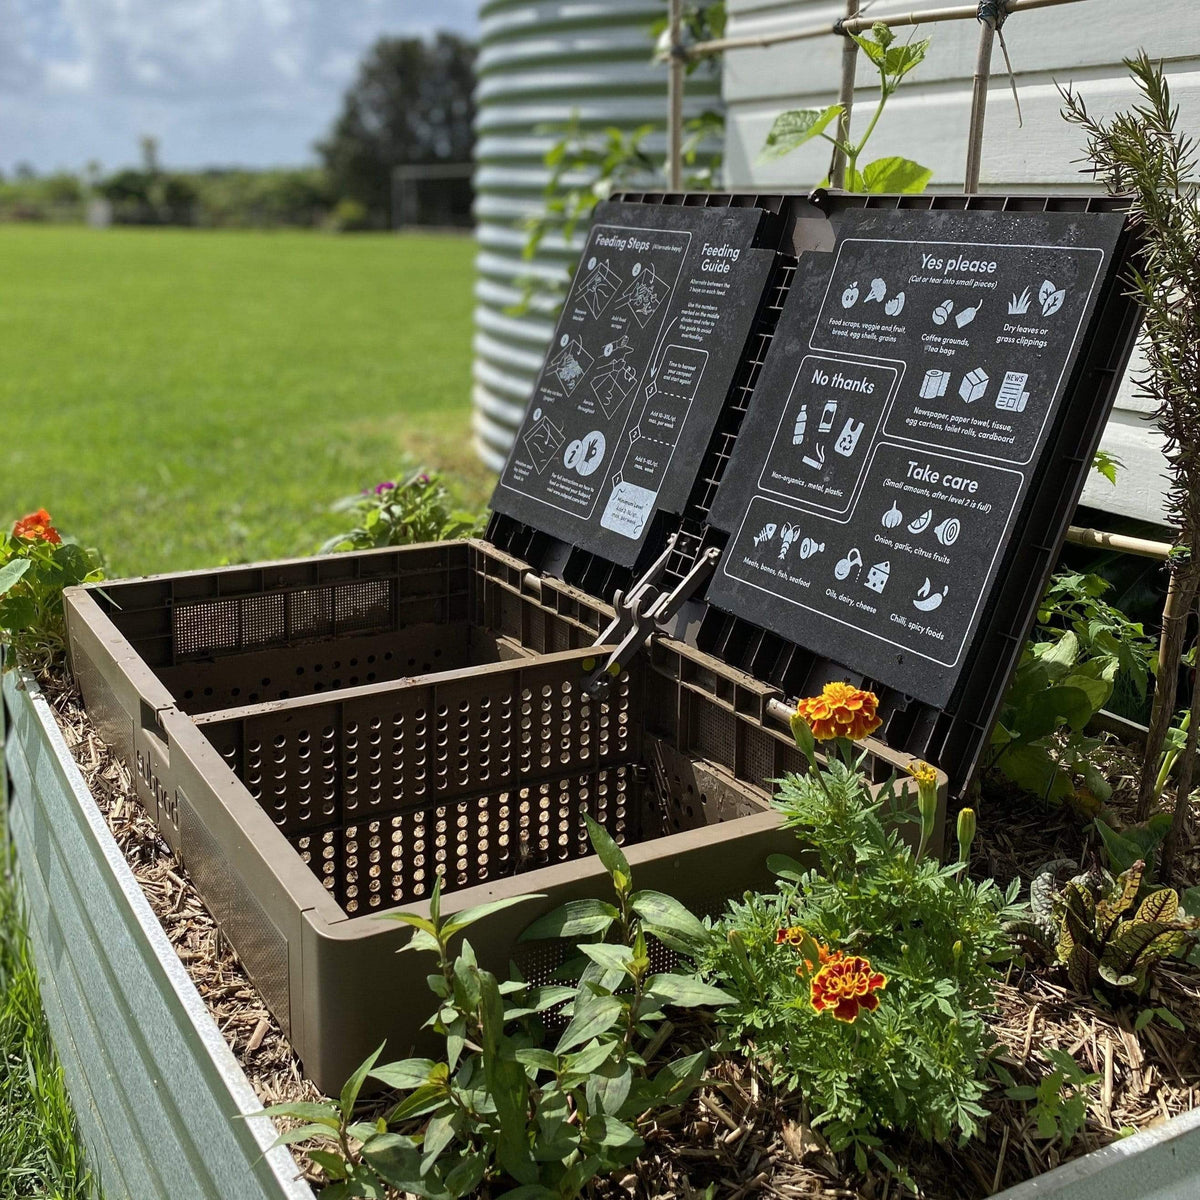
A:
[974,384]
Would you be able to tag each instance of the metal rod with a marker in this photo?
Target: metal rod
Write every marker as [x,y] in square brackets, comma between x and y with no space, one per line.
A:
[676,64]
[1143,547]
[837,167]
[894,20]
[979,91]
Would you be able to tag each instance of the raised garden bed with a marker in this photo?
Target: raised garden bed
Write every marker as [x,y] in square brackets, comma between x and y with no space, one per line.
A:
[164,1109]
[767,1141]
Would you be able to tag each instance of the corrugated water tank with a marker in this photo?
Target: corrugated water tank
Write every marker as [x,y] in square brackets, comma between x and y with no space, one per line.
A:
[539,63]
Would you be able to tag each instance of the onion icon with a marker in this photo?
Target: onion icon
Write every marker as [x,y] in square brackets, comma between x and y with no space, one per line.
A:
[947,532]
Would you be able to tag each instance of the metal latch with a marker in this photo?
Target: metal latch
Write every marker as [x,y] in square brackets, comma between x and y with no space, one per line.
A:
[645,610]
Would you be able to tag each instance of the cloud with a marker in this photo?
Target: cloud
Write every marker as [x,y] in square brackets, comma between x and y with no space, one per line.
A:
[217,81]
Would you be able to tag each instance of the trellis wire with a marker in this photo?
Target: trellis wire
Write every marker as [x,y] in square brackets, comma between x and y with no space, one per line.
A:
[991,14]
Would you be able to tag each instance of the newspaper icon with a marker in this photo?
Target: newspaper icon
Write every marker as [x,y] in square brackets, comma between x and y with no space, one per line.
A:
[1013,397]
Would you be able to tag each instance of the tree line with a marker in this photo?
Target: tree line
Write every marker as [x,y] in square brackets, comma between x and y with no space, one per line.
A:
[411,105]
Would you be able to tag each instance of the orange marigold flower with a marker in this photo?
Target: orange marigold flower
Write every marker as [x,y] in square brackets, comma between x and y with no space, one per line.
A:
[792,934]
[37,527]
[840,711]
[845,985]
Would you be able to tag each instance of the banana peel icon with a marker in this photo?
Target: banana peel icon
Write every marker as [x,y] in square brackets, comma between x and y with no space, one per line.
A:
[927,599]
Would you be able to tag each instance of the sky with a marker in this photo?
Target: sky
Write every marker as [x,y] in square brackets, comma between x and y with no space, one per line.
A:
[217,82]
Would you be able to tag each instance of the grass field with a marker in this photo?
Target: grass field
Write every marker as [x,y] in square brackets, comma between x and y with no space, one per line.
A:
[184,398]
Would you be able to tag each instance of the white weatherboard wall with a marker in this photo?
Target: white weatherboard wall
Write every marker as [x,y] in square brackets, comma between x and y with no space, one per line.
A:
[927,120]
[541,61]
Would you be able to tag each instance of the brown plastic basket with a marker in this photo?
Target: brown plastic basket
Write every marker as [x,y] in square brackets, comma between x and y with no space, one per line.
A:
[328,798]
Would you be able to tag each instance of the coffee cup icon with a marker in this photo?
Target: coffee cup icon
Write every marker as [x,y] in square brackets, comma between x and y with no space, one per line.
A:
[852,562]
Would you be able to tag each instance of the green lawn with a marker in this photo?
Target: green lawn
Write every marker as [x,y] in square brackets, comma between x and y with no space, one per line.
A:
[184,398]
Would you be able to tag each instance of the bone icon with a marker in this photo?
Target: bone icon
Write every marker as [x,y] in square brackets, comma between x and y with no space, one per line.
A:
[808,548]
[765,534]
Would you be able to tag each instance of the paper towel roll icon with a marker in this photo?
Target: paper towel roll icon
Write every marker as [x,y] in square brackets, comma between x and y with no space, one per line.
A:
[934,384]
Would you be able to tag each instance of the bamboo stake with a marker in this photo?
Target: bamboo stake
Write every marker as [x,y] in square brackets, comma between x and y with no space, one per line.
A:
[837,167]
[675,72]
[1101,539]
[979,91]
[894,20]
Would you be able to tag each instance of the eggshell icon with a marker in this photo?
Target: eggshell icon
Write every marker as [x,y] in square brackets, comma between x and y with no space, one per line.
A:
[850,296]
[895,305]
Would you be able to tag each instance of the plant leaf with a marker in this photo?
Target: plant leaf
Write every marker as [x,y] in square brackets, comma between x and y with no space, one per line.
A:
[894,174]
[671,922]
[353,1085]
[686,991]
[590,1021]
[793,128]
[10,573]
[609,853]
[405,1075]
[460,921]
[576,918]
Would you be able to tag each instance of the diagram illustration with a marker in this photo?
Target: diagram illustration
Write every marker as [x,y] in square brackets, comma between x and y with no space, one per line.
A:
[616,383]
[585,454]
[599,286]
[543,441]
[571,363]
[644,295]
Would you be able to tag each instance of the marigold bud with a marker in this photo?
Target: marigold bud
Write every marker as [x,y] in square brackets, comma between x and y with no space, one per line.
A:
[966,833]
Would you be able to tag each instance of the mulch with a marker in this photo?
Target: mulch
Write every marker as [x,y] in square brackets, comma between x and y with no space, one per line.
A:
[738,1136]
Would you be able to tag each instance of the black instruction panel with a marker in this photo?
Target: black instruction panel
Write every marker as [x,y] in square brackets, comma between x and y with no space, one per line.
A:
[913,381]
[640,364]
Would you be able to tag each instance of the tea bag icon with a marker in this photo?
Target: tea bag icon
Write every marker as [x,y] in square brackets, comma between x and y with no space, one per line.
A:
[848,438]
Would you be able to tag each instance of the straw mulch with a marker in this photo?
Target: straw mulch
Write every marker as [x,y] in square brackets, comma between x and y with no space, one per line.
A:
[737,1136]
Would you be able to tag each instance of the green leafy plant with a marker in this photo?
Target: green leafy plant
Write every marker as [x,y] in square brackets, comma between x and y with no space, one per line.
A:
[1067,673]
[916,1060]
[1133,843]
[1107,932]
[505,1107]
[1107,465]
[417,509]
[794,128]
[36,563]
[1060,1101]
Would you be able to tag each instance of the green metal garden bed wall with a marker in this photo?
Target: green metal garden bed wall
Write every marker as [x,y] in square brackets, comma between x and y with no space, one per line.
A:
[165,1111]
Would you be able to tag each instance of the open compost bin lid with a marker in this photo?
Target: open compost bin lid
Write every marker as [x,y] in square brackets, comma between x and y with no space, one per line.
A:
[925,419]
[667,297]
[880,410]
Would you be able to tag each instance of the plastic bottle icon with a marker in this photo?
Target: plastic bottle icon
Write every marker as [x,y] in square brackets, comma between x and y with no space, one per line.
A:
[801,425]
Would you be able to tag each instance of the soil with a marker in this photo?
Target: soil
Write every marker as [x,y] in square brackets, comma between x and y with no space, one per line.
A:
[738,1136]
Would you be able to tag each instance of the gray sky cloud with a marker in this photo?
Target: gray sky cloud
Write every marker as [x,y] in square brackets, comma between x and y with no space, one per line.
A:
[218,82]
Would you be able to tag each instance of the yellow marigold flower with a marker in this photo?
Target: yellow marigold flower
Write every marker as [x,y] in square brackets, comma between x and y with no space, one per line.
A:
[924,773]
[840,711]
[845,985]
